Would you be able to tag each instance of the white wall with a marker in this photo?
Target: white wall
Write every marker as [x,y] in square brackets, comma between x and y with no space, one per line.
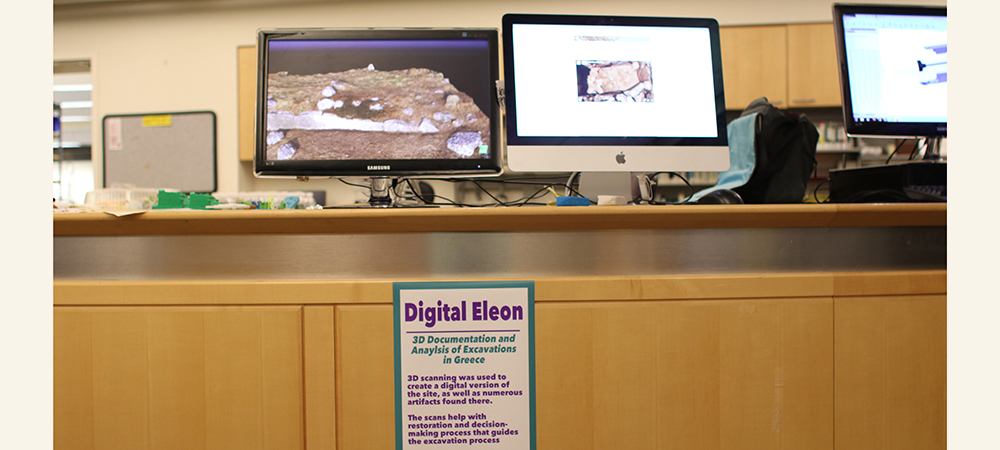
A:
[153,57]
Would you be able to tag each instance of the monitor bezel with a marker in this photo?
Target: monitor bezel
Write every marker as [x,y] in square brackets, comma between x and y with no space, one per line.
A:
[424,168]
[879,129]
[550,142]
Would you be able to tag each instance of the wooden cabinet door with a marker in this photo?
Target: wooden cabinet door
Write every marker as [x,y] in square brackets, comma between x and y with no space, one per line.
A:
[754,65]
[704,374]
[891,369]
[177,378]
[813,79]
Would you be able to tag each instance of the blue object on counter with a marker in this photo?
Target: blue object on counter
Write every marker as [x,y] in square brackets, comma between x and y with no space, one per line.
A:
[572,201]
[291,201]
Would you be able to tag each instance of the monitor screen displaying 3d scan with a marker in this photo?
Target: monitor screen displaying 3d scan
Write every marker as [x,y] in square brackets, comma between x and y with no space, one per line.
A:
[893,64]
[613,94]
[377,103]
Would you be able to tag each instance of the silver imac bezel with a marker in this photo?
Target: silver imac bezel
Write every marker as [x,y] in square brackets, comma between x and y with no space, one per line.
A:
[612,153]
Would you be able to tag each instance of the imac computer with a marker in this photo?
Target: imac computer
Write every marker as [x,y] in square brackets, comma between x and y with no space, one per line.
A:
[377,103]
[893,64]
[613,94]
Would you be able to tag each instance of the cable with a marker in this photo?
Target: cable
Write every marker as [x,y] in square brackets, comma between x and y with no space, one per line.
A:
[448,202]
[919,151]
[544,188]
[569,183]
[527,200]
[498,201]
[519,181]
[816,192]
[690,187]
[413,190]
[895,150]
[916,151]
[568,186]
[355,185]
[879,195]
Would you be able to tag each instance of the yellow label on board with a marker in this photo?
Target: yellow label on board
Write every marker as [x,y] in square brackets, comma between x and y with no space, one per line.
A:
[162,120]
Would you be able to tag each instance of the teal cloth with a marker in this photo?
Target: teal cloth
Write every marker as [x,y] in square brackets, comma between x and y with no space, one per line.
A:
[740,133]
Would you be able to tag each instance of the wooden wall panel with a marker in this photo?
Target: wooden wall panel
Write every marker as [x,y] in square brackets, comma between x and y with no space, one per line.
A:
[177,379]
[776,384]
[281,388]
[807,404]
[564,401]
[366,402]
[891,372]
[233,377]
[168,378]
[246,85]
[320,378]
[120,367]
[750,374]
[624,364]
[688,383]
[72,381]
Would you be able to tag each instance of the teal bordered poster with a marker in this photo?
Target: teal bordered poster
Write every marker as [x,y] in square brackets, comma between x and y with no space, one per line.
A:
[465,365]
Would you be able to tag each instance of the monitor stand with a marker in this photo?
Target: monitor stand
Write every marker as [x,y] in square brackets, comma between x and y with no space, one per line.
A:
[933,152]
[594,184]
[379,194]
[379,197]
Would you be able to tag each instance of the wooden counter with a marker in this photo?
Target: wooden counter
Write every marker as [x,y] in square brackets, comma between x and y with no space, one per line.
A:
[501,219]
[696,327]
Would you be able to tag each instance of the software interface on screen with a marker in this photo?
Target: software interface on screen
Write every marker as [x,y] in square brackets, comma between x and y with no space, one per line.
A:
[629,81]
[378,99]
[897,67]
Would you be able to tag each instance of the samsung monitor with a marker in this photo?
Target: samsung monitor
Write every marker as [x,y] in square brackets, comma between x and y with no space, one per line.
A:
[613,94]
[893,63]
[379,103]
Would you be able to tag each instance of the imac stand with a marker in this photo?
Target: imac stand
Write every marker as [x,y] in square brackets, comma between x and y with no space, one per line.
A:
[594,184]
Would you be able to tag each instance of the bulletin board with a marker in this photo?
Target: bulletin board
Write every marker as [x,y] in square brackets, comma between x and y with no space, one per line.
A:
[161,150]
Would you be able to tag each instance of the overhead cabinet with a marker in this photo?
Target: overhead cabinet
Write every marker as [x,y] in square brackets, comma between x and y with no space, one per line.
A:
[794,66]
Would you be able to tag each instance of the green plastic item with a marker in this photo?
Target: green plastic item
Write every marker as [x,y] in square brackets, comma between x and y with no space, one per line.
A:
[171,200]
[200,201]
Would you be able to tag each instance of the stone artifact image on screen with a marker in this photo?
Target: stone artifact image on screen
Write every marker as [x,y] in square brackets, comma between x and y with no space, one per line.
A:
[371,114]
[614,81]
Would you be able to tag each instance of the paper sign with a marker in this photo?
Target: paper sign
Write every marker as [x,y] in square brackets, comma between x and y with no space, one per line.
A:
[159,120]
[114,133]
[465,365]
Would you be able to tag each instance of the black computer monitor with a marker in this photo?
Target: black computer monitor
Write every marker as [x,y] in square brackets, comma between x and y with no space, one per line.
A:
[893,63]
[378,103]
[613,94]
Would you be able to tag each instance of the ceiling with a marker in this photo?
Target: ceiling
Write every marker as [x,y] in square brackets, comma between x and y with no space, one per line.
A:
[75,8]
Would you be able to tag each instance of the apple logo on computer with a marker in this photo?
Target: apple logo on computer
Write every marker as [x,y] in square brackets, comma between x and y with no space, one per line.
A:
[620,158]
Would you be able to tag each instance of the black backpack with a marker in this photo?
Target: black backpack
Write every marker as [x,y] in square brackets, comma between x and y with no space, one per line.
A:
[785,155]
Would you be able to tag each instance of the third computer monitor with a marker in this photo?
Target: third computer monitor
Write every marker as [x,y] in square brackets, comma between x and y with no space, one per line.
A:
[893,64]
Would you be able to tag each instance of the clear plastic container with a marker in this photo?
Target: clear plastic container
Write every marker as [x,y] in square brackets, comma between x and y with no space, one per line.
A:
[121,198]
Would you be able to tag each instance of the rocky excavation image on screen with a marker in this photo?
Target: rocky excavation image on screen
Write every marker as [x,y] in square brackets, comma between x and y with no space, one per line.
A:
[367,113]
[614,81]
